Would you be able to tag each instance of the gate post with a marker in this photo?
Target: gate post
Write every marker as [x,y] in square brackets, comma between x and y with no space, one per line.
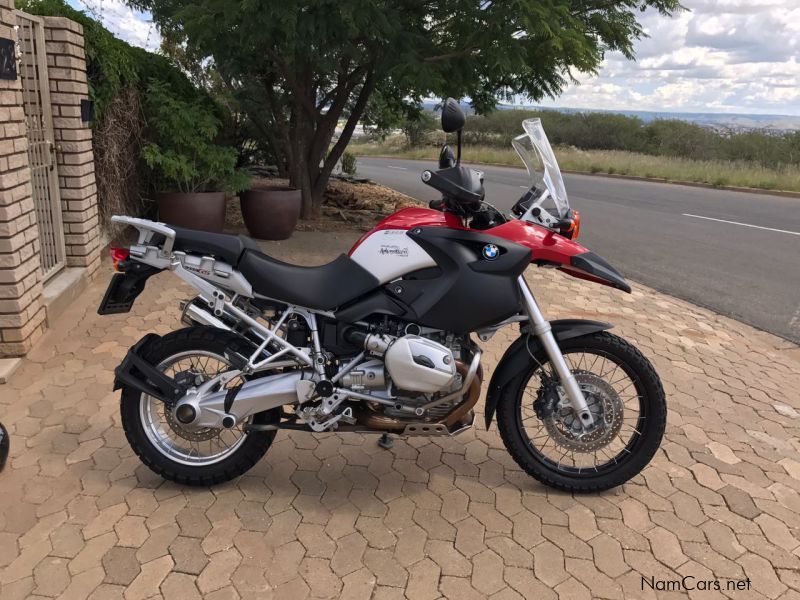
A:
[21,311]
[66,62]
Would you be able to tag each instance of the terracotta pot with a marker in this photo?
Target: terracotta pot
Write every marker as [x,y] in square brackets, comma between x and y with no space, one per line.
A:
[199,210]
[271,212]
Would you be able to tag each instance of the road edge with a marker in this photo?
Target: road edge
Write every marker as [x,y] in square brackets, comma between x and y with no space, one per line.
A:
[695,184]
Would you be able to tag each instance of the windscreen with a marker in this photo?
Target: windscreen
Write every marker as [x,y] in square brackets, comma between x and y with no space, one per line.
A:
[535,151]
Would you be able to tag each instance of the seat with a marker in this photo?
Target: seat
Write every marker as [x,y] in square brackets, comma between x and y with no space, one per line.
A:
[223,246]
[321,288]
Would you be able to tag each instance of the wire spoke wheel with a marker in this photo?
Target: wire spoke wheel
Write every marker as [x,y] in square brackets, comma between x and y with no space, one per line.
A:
[624,395]
[189,446]
[558,436]
[192,456]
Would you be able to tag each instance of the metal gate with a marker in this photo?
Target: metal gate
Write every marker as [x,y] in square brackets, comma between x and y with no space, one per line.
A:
[41,144]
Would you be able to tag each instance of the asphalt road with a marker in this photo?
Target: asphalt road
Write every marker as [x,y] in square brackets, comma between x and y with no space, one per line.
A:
[673,238]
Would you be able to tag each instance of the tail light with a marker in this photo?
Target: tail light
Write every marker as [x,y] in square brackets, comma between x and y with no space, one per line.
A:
[117,256]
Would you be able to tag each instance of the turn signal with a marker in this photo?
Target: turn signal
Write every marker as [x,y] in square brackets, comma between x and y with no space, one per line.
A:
[571,227]
[117,256]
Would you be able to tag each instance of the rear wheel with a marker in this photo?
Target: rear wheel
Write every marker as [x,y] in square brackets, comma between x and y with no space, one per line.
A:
[625,396]
[192,456]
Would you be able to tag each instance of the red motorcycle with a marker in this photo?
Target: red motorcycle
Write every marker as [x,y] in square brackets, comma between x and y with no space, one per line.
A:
[380,340]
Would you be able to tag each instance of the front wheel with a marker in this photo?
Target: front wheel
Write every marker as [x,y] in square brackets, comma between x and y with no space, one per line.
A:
[192,456]
[624,394]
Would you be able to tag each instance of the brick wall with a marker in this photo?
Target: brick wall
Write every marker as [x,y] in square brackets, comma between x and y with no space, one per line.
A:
[68,86]
[21,311]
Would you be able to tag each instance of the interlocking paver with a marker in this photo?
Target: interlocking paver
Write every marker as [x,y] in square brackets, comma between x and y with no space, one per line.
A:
[334,516]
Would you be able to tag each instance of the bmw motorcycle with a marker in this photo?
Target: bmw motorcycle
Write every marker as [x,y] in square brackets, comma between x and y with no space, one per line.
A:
[387,339]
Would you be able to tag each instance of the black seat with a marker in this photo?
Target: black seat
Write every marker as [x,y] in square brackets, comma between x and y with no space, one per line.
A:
[223,246]
[322,288]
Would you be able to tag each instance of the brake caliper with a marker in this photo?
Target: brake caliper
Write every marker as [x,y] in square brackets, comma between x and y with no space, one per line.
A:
[546,398]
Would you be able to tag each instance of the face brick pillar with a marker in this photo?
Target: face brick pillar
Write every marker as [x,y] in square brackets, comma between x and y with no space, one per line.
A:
[21,311]
[68,86]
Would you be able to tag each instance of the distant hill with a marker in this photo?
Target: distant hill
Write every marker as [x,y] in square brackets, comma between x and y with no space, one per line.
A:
[777,123]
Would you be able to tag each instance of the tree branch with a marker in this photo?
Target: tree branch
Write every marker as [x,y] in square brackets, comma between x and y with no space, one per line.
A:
[347,132]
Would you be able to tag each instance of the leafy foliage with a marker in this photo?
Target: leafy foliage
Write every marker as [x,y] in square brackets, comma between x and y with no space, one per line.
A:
[349,163]
[607,131]
[298,66]
[419,128]
[133,154]
[182,150]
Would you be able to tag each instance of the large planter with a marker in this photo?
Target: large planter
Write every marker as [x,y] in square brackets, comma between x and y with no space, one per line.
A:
[271,212]
[198,210]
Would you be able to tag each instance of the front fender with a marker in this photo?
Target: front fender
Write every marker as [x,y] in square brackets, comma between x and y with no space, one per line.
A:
[517,357]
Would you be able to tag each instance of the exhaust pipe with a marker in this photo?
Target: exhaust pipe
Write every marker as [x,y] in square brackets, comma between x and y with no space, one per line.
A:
[194,313]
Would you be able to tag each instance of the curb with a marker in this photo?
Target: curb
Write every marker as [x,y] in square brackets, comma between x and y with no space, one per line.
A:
[696,184]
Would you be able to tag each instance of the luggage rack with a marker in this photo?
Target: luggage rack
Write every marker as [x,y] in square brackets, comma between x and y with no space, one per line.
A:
[147,230]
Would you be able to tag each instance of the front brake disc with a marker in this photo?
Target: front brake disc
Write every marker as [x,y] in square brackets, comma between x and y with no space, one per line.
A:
[606,407]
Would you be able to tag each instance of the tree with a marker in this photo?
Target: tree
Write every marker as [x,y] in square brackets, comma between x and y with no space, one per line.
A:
[311,64]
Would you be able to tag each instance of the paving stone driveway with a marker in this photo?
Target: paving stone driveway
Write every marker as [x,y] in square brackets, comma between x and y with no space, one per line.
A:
[335,516]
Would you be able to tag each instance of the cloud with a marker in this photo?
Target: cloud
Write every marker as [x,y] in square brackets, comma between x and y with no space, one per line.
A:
[130,25]
[737,56]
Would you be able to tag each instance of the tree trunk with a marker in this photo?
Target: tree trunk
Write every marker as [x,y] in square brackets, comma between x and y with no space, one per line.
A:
[311,161]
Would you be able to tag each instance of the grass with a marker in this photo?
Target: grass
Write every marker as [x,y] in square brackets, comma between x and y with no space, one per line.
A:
[613,162]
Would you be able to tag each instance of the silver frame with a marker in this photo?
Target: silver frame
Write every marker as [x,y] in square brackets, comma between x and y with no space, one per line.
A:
[221,285]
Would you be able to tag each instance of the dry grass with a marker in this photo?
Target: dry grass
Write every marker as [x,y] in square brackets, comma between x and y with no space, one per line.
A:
[347,205]
[117,146]
[717,173]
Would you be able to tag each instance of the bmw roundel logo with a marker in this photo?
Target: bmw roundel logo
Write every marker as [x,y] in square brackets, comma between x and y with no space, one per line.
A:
[490,251]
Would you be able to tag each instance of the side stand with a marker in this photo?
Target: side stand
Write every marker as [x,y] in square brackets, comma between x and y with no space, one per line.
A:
[386,442]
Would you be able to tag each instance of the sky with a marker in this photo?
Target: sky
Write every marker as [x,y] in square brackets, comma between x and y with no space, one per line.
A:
[729,56]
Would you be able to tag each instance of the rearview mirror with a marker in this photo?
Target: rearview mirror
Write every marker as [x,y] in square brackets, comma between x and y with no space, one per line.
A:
[453,117]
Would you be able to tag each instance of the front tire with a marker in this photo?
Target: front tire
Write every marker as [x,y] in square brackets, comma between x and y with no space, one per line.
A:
[573,465]
[184,457]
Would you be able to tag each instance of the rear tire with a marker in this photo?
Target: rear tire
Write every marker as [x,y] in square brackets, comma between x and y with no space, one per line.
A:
[246,453]
[646,436]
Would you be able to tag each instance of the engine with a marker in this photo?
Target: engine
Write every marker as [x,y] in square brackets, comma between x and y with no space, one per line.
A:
[413,364]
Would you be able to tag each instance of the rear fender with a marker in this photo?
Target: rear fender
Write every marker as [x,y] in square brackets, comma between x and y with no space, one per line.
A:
[136,372]
[517,357]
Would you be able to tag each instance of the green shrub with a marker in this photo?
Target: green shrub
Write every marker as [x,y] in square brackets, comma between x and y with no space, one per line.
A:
[182,151]
[349,163]
[418,127]
[609,131]
[119,76]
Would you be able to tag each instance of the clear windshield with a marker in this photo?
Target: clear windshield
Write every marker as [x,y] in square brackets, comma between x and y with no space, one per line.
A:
[535,151]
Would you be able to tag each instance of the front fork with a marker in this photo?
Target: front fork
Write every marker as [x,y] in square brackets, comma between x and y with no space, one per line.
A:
[543,331]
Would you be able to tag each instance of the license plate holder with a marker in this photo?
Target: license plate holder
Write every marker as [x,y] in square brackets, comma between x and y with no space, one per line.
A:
[124,288]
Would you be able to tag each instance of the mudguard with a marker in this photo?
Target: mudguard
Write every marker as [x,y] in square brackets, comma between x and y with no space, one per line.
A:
[137,373]
[517,357]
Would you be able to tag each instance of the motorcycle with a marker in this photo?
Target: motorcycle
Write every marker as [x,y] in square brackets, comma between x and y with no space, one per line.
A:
[380,340]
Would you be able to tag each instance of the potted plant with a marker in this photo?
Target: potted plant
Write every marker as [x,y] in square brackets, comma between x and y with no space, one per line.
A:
[270,212]
[192,172]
